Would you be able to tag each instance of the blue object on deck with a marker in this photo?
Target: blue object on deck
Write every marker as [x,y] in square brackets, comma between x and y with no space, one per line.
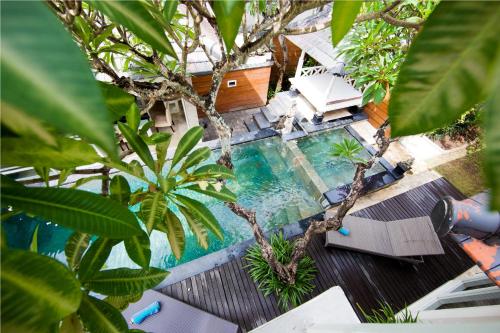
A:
[150,310]
[344,231]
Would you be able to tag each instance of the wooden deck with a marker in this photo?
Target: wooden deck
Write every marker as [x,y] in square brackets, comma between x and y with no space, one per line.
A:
[228,292]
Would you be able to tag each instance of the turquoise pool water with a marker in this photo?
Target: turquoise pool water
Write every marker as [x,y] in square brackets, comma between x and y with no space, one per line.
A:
[333,171]
[266,183]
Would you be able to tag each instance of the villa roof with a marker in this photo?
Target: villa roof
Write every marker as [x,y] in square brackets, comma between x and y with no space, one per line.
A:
[340,94]
[319,46]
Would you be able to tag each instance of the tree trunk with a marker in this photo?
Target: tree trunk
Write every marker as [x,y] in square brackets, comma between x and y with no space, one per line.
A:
[283,64]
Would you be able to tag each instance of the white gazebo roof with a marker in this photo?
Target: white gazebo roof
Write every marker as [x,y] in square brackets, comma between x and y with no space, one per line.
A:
[327,92]
[319,46]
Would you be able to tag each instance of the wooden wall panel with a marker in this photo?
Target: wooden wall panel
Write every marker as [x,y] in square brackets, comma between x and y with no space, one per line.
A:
[250,91]
[293,57]
[377,113]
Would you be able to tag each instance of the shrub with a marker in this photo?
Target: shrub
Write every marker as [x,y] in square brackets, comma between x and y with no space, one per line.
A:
[385,315]
[466,128]
[289,295]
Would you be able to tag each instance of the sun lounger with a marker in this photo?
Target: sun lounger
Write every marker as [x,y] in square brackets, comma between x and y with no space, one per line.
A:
[401,239]
[175,317]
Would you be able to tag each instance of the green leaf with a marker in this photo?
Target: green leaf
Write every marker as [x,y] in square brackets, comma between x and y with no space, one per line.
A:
[138,145]
[126,281]
[37,291]
[83,181]
[161,155]
[133,117]
[186,143]
[117,101]
[63,175]
[343,15]
[228,14]
[224,194]
[137,197]
[449,67]
[262,5]
[213,171]
[34,240]
[135,17]
[46,76]
[196,227]
[138,249]
[119,190]
[76,244]
[153,208]
[167,184]
[203,214]
[25,125]
[68,154]
[71,324]
[171,225]
[95,257]
[99,316]
[79,210]
[196,157]
[169,9]
[491,125]
[107,32]
[136,168]
[44,173]
[147,125]
[121,302]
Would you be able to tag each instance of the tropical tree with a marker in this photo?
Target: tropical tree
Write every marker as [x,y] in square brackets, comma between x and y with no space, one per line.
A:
[375,49]
[50,101]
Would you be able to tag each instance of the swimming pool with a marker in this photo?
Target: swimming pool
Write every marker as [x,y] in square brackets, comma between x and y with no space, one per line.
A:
[266,182]
[333,171]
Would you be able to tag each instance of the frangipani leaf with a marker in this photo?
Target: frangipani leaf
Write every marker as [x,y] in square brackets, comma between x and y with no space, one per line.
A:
[196,227]
[119,190]
[99,316]
[117,100]
[133,117]
[121,302]
[449,67]
[228,14]
[37,291]
[134,16]
[343,15]
[138,249]
[125,281]
[172,226]
[67,154]
[196,157]
[186,143]
[153,209]
[213,171]
[202,213]
[76,245]
[169,9]
[224,194]
[138,145]
[83,211]
[492,138]
[46,76]
[95,257]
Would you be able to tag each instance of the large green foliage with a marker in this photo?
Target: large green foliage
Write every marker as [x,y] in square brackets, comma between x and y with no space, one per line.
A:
[46,77]
[444,77]
[37,291]
[289,295]
[229,14]
[54,109]
[375,49]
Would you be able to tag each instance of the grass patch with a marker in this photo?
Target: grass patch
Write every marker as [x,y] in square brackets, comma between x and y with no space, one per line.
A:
[464,173]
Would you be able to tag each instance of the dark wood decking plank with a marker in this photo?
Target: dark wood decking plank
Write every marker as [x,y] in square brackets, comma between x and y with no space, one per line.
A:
[234,306]
[229,292]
